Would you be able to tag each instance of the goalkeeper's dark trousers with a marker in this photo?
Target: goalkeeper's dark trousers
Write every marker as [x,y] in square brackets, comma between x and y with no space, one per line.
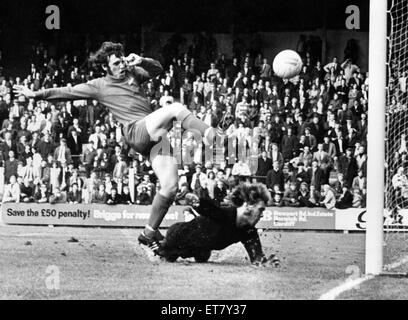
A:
[180,242]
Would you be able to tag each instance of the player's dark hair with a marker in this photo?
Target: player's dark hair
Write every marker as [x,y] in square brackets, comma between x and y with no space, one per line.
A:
[250,193]
[107,48]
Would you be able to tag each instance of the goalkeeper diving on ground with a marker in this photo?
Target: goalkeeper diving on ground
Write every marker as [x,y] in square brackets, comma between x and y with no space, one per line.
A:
[216,227]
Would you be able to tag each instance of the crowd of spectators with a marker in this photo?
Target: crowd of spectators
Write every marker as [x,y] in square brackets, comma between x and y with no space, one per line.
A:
[309,133]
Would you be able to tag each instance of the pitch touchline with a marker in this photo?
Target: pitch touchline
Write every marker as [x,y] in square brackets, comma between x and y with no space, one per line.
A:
[350,284]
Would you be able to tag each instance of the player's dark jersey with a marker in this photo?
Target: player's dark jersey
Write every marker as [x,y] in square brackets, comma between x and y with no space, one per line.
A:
[125,98]
[214,229]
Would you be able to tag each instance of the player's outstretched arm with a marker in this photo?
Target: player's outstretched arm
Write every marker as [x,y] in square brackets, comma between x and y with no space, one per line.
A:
[23,91]
[253,246]
[87,90]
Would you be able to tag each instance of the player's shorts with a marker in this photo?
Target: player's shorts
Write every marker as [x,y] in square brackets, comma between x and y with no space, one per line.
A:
[137,137]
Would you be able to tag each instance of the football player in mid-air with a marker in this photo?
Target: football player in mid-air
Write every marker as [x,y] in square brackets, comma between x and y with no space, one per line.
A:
[216,227]
[121,91]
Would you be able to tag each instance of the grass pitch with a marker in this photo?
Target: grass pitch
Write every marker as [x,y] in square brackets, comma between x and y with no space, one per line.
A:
[103,263]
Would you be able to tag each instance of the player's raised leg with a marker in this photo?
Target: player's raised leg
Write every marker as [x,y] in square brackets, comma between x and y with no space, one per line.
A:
[160,122]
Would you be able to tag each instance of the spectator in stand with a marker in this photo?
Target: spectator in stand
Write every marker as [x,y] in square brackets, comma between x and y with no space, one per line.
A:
[300,175]
[329,148]
[306,157]
[75,178]
[26,191]
[314,197]
[89,157]
[148,184]
[45,146]
[113,197]
[97,137]
[323,161]
[361,158]
[265,70]
[241,107]
[100,196]
[23,149]
[212,72]
[120,170]
[11,191]
[340,143]
[58,197]
[74,144]
[10,166]
[291,196]
[54,174]
[109,184]
[275,177]
[277,199]
[360,182]
[8,145]
[241,169]
[125,197]
[264,165]
[349,69]
[220,191]
[74,195]
[329,198]
[276,156]
[37,159]
[63,153]
[304,195]
[311,141]
[28,172]
[289,145]
[42,194]
[345,200]
[76,127]
[316,175]
[63,176]
[44,172]
[347,165]
[339,184]
[211,183]
[60,128]
[198,180]
[357,199]
[143,197]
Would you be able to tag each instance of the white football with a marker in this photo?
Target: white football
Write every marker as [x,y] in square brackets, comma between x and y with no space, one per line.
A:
[287,64]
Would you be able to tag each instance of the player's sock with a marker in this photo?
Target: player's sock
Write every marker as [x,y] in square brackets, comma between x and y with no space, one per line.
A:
[160,206]
[148,232]
[190,121]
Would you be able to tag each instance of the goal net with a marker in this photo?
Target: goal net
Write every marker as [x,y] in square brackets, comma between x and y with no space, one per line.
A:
[396,147]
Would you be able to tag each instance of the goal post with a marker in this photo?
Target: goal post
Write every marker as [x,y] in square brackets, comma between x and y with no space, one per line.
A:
[376,136]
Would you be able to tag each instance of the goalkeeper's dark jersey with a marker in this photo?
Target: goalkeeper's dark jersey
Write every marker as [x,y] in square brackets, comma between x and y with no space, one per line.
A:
[214,229]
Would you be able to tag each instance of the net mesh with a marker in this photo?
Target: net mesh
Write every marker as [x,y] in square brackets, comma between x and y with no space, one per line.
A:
[396,189]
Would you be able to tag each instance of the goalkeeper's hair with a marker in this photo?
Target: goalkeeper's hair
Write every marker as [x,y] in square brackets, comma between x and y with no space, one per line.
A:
[250,193]
[107,48]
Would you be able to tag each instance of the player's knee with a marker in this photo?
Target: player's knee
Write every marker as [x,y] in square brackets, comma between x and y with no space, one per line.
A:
[170,189]
[177,105]
[176,108]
